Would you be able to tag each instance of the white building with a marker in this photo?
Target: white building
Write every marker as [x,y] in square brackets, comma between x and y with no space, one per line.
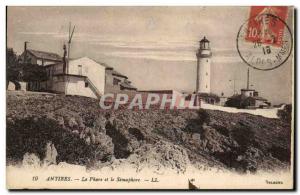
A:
[85,77]
[249,92]
[82,76]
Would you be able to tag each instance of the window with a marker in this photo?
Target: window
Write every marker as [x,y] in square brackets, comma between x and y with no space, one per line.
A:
[86,84]
[79,69]
[116,81]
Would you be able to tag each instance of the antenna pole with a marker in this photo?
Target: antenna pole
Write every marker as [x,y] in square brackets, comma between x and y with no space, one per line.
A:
[248,79]
[69,44]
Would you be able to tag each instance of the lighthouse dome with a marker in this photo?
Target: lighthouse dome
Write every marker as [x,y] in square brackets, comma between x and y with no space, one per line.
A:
[204,44]
[204,40]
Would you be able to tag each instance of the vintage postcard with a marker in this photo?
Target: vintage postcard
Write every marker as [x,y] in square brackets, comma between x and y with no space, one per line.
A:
[188,98]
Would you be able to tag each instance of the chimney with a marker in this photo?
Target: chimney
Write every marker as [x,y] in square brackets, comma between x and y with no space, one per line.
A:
[25,45]
[25,52]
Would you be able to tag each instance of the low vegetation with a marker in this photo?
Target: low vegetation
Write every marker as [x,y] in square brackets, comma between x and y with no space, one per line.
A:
[84,134]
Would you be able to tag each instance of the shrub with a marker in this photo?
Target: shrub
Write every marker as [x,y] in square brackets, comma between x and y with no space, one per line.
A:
[203,116]
[286,113]
[31,135]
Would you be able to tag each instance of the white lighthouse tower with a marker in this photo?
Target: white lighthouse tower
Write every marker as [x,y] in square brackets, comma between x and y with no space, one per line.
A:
[203,67]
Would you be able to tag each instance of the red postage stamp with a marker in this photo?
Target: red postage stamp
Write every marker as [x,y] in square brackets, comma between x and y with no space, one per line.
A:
[266,24]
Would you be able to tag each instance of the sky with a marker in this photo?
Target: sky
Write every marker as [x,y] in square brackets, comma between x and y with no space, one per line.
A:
[154,46]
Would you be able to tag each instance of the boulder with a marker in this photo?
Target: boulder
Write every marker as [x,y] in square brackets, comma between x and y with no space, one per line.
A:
[31,160]
[105,146]
[196,137]
[61,121]
[50,154]
[72,122]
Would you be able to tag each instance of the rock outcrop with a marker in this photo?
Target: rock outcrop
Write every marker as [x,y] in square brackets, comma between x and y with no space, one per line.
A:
[83,134]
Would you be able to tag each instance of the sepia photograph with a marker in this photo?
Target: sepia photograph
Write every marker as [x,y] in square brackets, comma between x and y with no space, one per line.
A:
[150,97]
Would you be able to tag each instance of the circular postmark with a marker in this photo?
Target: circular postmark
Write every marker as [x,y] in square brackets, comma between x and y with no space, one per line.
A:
[264,42]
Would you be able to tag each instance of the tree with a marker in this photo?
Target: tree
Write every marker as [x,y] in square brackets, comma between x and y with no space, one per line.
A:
[33,72]
[17,71]
[13,70]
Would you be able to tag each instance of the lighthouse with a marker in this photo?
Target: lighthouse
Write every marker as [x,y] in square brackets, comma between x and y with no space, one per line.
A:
[203,67]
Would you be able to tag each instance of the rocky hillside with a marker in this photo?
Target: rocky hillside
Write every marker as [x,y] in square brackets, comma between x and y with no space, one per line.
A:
[84,134]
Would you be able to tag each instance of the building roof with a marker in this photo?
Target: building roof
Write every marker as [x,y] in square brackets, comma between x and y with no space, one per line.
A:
[259,98]
[104,64]
[243,97]
[101,63]
[128,86]
[45,55]
[70,75]
[247,89]
[165,91]
[116,73]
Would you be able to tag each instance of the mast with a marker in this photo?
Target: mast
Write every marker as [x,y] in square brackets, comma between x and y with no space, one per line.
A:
[69,45]
[248,79]
[67,61]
